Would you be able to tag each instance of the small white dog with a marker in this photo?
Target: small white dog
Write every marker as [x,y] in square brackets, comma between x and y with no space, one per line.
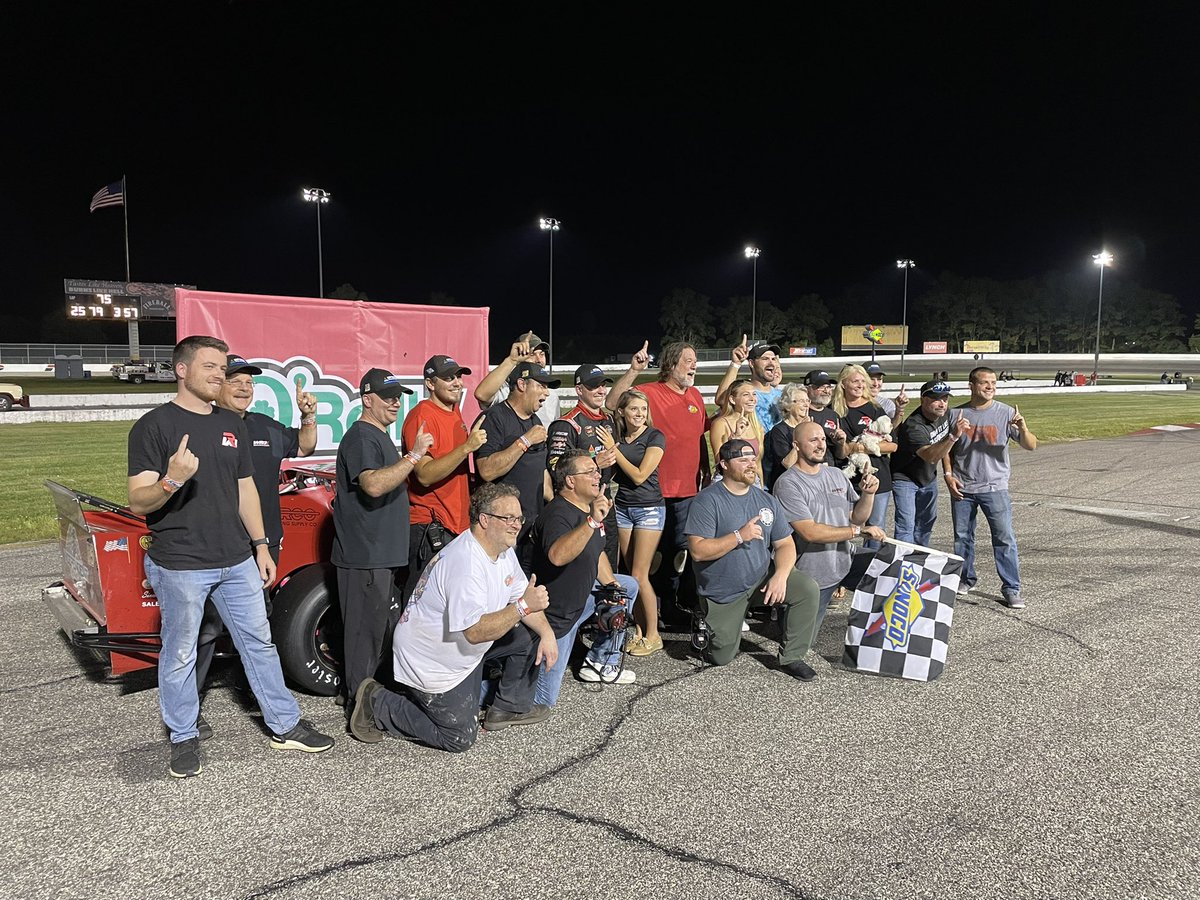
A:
[879,430]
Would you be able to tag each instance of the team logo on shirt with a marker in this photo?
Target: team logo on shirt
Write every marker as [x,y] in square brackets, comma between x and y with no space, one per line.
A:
[508,581]
[262,443]
[766,515]
[229,439]
[693,409]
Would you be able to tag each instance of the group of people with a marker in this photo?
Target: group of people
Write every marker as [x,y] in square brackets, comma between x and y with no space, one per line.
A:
[469,558]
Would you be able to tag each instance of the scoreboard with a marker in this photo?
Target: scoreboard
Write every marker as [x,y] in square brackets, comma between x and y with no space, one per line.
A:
[112,307]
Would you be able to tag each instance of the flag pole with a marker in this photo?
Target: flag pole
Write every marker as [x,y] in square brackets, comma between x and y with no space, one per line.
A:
[135,343]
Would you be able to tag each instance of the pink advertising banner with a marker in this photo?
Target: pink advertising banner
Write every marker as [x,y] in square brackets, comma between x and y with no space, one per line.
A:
[327,345]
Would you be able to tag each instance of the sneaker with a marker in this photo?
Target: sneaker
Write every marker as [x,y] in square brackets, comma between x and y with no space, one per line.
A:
[606,674]
[362,720]
[1014,602]
[799,670]
[681,559]
[185,759]
[645,647]
[964,591]
[745,626]
[303,737]
[496,719]
[204,728]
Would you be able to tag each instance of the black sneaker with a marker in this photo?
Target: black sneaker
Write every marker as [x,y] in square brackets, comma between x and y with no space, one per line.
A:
[497,719]
[303,737]
[185,759]
[362,720]
[204,728]
[799,670]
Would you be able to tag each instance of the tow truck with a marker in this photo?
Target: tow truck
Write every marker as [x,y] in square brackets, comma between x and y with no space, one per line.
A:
[105,604]
[136,372]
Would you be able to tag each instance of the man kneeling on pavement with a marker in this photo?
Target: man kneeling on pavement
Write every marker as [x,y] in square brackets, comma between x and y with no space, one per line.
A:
[732,527]
[471,607]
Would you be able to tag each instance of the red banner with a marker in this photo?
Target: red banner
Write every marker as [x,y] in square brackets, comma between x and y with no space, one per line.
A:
[327,345]
[934,347]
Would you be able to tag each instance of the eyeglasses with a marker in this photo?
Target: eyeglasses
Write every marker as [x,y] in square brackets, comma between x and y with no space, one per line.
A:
[507,520]
[590,473]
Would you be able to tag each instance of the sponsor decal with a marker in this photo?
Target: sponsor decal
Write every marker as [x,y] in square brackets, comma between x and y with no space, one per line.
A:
[508,581]
[298,516]
[120,545]
[262,443]
[766,515]
[902,607]
[229,439]
[693,409]
[145,541]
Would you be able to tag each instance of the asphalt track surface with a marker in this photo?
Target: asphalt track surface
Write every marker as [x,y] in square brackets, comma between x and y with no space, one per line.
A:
[1056,757]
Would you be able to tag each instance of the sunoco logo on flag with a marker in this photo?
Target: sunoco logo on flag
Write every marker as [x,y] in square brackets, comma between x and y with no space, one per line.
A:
[899,622]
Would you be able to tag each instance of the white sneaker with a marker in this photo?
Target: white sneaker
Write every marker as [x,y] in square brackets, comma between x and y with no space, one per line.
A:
[745,626]
[606,674]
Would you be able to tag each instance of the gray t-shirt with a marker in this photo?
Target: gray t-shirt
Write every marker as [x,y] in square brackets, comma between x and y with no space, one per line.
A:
[827,498]
[980,456]
[715,512]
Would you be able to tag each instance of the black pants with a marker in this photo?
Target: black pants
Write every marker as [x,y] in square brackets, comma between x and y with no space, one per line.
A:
[676,592]
[368,615]
[424,540]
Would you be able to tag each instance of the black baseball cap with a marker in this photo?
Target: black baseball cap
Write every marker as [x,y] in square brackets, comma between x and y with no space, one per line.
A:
[534,342]
[235,364]
[735,447]
[818,377]
[591,376]
[536,372]
[874,369]
[935,389]
[444,367]
[382,383]
[762,347]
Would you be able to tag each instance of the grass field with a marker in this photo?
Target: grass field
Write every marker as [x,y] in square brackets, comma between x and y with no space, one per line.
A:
[90,456]
[97,384]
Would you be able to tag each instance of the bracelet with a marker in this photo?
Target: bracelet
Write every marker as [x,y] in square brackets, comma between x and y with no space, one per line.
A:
[857,531]
[522,608]
[309,420]
[593,522]
[525,443]
[412,457]
[740,540]
[170,485]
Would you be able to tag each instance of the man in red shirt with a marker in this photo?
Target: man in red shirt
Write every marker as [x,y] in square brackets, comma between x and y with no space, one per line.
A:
[438,488]
[678,411]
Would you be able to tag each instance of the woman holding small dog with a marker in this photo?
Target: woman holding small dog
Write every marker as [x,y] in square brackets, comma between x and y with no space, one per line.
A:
[852,401]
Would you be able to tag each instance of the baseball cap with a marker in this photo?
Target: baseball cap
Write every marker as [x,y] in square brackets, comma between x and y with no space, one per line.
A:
[536,372]
[818,377]
[235,364]
[444,367]
[874,369]
[591,376]
[534,342]
[383,383]
[762,347]
[735,447]
[935,389]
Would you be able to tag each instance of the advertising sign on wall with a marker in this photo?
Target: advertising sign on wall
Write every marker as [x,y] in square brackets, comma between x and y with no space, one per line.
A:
[891,337]
[934,347]
[981,347]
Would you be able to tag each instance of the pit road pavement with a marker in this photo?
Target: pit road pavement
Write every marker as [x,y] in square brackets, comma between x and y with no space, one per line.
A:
[1056,757]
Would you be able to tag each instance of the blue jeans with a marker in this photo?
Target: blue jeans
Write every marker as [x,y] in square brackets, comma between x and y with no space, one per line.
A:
[997,509]
[916,510]
[605,652]
[237,594]
[878,517]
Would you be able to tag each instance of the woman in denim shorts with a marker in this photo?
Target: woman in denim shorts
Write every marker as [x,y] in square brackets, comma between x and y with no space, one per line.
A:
[640,507]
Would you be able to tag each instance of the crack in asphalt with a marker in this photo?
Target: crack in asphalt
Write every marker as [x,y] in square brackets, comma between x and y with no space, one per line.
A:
[516,798]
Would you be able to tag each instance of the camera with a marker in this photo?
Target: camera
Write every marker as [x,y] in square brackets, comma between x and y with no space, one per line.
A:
[612,608]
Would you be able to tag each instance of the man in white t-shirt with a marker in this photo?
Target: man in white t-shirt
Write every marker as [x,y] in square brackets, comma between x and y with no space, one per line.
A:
[471,594]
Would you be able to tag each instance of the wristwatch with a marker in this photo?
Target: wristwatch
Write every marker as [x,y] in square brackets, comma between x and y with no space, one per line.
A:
[260,542]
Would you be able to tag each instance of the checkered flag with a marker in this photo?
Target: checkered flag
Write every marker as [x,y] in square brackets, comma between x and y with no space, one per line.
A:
[899,622]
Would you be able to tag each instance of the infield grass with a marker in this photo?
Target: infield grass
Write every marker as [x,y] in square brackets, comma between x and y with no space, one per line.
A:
[90,456]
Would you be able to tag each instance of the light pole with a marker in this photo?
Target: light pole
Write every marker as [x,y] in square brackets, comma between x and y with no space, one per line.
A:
[752,253]
[551,226]
[1103,259]
[904,264]
[318,196]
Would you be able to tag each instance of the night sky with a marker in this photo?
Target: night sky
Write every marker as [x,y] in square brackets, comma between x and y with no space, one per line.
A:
[996,140]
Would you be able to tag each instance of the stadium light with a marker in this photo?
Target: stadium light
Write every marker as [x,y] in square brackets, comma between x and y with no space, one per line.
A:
[318,196]
[1103,259]
[752,253]
[904,264]
[551,226]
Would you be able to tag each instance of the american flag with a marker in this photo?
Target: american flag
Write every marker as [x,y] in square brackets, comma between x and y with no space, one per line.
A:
[112,195]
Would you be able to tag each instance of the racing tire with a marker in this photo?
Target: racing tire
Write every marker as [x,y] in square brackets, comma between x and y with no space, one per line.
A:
[136,379]
[306,626]
[6,403]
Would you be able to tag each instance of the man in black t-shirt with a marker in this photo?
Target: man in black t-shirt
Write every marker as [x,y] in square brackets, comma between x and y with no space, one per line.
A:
[190,475]
[370,518]
[515,450]
[569,559]
[820,394]
[270,444]
[921,440]
[580,429]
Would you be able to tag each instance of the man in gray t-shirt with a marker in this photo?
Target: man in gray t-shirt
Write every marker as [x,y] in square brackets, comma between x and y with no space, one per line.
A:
[976,473]
[729,526]
[826,512]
